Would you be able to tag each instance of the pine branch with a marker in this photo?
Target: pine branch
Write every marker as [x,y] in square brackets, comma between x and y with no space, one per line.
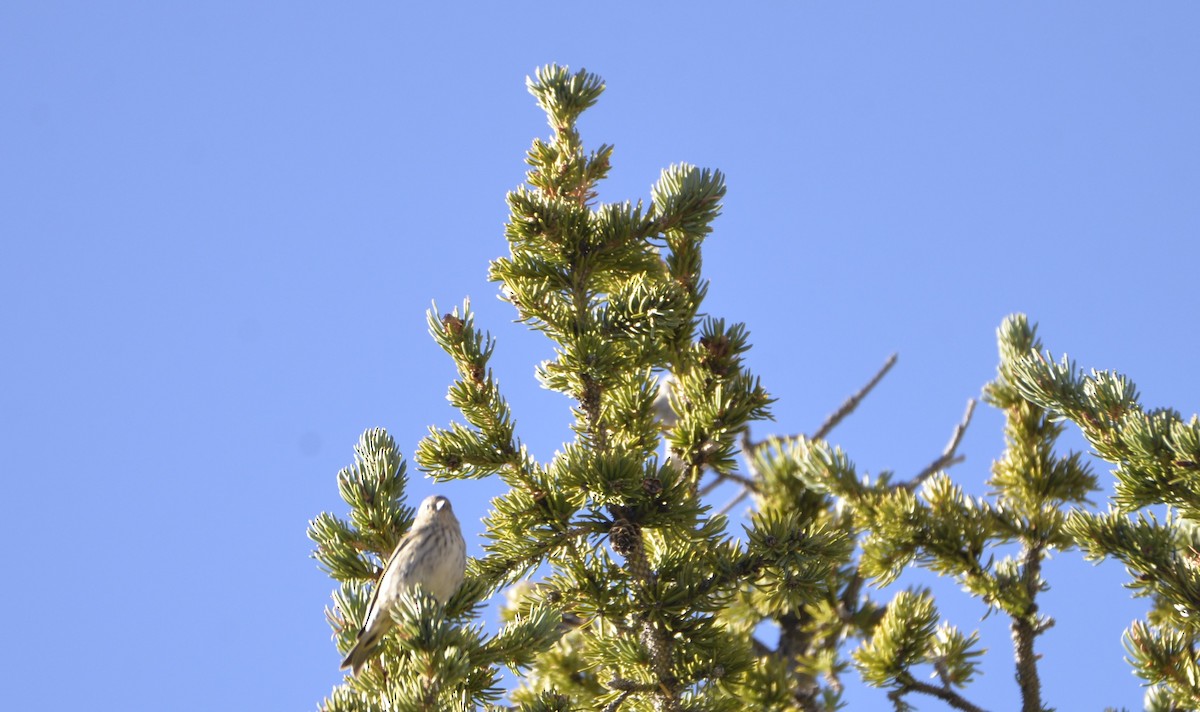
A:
[1025,629]
[944,694]
[627,541]
[794,643]
[617,684]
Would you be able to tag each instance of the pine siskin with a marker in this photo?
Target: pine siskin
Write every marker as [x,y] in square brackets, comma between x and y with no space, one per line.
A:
[432,554]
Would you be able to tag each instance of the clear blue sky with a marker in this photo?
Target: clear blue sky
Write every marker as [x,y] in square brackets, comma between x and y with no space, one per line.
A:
[222,224]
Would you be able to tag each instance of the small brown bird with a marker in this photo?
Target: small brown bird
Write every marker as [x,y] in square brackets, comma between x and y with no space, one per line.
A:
[432,554]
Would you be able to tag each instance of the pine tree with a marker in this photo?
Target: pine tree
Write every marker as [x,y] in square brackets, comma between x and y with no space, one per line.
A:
[649,601]
[1157,459]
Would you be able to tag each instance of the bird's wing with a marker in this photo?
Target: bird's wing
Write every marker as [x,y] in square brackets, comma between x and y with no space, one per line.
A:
[404,543]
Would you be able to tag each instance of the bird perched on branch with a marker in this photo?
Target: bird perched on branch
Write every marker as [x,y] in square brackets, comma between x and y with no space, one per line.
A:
[432,555]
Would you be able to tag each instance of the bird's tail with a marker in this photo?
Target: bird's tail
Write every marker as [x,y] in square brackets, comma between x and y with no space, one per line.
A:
[360,653]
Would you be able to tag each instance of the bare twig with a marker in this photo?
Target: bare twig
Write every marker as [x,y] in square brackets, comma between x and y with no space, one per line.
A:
[852,402]
[734,502]
[950,455]
[749,483]
[722,477]
[712,485]
[830,423]
[748,447]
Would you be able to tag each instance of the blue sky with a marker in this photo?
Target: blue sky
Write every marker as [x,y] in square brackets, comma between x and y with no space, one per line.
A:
[222,224]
